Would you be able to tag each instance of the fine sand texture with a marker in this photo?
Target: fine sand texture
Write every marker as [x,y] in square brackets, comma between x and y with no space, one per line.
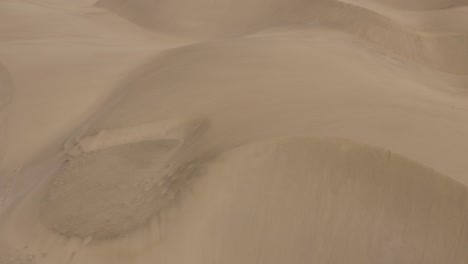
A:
[249,131]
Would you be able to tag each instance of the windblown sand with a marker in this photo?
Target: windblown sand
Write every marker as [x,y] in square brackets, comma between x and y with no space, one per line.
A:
[249,131]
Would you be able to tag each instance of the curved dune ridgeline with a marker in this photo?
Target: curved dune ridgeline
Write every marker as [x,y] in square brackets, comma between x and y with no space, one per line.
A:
[397,30]
[326,201]
[224,131]
[424,4]
[444,50]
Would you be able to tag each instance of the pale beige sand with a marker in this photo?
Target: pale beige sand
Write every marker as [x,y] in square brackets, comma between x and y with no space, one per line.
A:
[250,131]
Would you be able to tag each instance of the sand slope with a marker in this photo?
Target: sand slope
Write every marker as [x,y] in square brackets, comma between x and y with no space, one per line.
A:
[283,82]
[287,199]
[433,37]
[6,96]
[265,131]
[424,4]
[30,37]
[205,18]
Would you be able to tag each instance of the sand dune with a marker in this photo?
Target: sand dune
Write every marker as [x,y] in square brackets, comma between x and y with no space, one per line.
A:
[326,201]
[435,38]
[251,131]
[206,18]
[64,3]
[6,91]
[31,38]
[294,91]
[423,4]
[428,37]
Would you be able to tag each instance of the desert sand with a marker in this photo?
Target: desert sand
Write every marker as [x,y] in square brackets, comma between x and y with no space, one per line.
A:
[249,131]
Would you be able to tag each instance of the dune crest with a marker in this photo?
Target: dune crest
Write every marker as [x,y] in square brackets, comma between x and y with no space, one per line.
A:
[233,131]
[424,4]
[408,34]
[307,196]
[333,201]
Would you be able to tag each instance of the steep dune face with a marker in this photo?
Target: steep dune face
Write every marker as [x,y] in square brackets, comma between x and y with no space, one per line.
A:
[284,82]
[429,37]
[423,4]
[327,202]
[284,200]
